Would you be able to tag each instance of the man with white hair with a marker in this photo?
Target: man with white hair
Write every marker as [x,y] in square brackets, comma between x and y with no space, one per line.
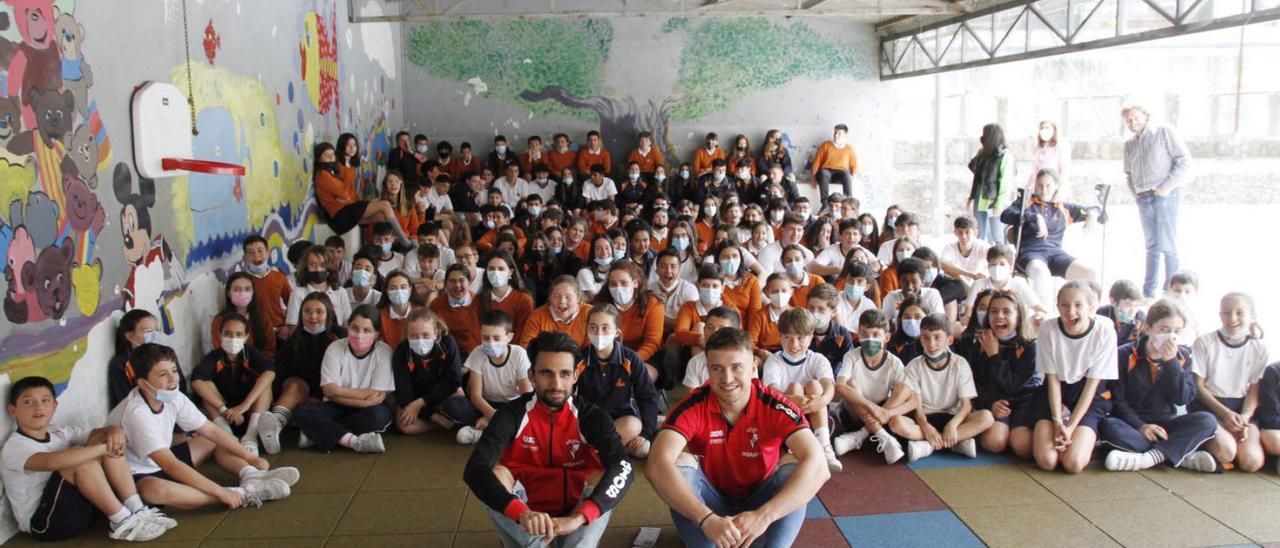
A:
[1156,164]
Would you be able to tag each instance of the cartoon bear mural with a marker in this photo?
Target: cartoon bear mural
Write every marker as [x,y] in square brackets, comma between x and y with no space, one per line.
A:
[51,279]
[81,160]
[35,63]
[10,119]
[76,75]
[44,141]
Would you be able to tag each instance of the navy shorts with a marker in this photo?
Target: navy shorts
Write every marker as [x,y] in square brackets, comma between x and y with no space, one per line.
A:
[1070,395]
[1020,415]
[1234,404]
[1057,260]
[939,420]
[182,451]
[63,511]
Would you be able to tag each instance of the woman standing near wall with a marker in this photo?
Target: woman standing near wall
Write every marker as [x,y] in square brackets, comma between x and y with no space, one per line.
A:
[992,168]
[1050,153]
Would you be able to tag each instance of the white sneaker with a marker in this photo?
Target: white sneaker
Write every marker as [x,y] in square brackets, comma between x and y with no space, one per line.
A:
[968,448]
[265,489]
[849,441]
[269,428]
[833,463]
[1125,461]
[889,446]
[287,474]
[917,450]
[1199,461]
[154,515]
[643,451]
[304,442]
[136,527]
[250,446]
[468,435]
[369,442]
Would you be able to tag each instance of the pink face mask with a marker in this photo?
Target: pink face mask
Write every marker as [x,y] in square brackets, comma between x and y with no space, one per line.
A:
[360,342]
[241,299]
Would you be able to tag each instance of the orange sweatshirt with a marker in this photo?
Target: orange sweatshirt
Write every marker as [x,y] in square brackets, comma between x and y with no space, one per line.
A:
[335,193]
[586,159]
[706,234]
[541,320]
[764,330]
[485,243]
[518,305]
[702,159]
[273,292]
[745,297]
[463,323]
[800,295]
[557,161]
[830,157]
[687,318]
[648,162]
[393,328]
[642,333]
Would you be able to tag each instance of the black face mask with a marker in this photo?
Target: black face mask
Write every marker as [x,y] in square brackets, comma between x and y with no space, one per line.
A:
[537,254]
[313,277]
[328,166]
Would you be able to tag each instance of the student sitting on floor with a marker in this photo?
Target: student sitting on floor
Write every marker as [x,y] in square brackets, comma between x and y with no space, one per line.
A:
[315,274]
[763,323]
[872,387]
[1154,381]
[905,341]
[1125,314]
[855,296]
[355,378]
[165,472]
[911,282]
[234,384]
[830,338]
[944,417]
[394,307]
[427,368]
[720,317]
[136,328]
[1268,415]
[538,488]
[298,363]
[1002,355]
[736,484]
[1075,353]
[58,479]
[497,372]
[803,376]
[613,377]
[1228,364]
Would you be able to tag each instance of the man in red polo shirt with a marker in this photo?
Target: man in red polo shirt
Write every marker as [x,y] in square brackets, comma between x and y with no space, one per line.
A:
[740,487]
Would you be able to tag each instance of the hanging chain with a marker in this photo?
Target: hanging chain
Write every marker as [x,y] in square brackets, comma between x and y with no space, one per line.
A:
[191,94]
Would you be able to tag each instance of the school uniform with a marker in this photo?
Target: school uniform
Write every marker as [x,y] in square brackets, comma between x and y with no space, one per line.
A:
[327,422]
[435,378]
[875,381]
[45,504]
[234,379]
[147,431]
[674,297]
[929,298]
[641,330]
[1268,414]
[1147,391]
[782,370]
[975,261]
[904,347]
[121,379]
[591,281]
[543,319]
[1054,217]
[1126,332]
[1010,375]
[941,390]
[1228,370]
[762,326]
[337,296]
[500,383]
[619,385]
[950,289]
[833,345]
[851,312]
[463,322]
[695,373]
[273,291]
[1075,358]
[300,356]
[800,291]
[743,293]
[373,297]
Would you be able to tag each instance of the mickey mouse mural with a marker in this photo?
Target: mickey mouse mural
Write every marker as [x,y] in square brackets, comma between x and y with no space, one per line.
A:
[153,269]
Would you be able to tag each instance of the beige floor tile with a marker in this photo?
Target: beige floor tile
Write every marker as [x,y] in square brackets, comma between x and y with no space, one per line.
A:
[1251,514]
[1160,521]
[1095,483]
[402,512]
[298,542]
[984,486]
[1186,482]
[336,472]
[1056,524]
[297,516]
[431,540]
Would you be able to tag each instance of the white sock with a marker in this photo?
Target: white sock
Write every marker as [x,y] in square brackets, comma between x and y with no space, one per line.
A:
[824,438]
[222,423]
[251,432]
[120,516]
[246,470]
[1154,457]
[282,413]
[134,503]
[348,440]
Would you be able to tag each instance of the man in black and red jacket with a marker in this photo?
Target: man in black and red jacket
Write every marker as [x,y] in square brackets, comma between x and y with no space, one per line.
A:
[566,456]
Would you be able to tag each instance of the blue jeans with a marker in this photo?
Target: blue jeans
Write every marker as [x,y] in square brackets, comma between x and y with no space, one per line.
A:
[781,533]
[1159,216]
[513,536]
[989,226]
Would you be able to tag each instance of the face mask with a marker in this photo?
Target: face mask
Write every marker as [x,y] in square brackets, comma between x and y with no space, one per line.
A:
[498,278]
[659,177]
[1124,316]
[423,149]
[1158,340]
[241,299]
[444,154]
[385,247]
[1046,134]
[1233,334]
[313,330]
[930,275]
[822,321]
[903,255]
[710,298]
[361,278]
[795,269]
[911,328]
[500,149]
[1001,274]
[605,262]
[776,216]
[567,180]
[872,346]
[602,342]
[633,177]
[622,295]
[464,301]
[316,278]
[489,224]
[494,349]
[868,228]
[421,347]
[599,215]
[534,211]
[556,249]
[360,342]
[680,244]
[744,174]
[258,269]
[891,222]
[232,345]
[982,317]
[780,298]
[710,210]
[935,358]
[854,292]
[719,176]
[731,266]
[165,396]
[803,215]
[684,174]
[1007,336]
[398,297]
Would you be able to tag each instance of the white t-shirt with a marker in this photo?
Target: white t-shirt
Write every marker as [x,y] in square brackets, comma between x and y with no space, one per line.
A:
[447,258]
[1092,355]
[875,384]
[771,258]
[511,193]
[372,298]
[339,297]
[500,383]
[387,266]
[941,391]
[344,369]
[975,262]
[831,256]
[885,253]
[605,191]
[590,281]
[929,297]
[547,193]
[442,202]
[695,373]
[681,293]
[777,372]
[24,488]
[146,431]
[1018,285]
[1228,372]
[850,314]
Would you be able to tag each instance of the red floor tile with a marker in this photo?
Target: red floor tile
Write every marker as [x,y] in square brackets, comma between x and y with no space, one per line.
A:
[821,532]
[868,486]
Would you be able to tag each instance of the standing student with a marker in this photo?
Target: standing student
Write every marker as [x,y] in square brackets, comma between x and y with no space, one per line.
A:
[298,364]
[271,286]
[1002,355]
[395,306]
[457,310]
[563,312]
[1050,153]
[234,384]
[611,377]
[137,327]
[498,372]
[993,170]
[735,484]
[315,275]
[355,378]
[835,162]
[1076,354]
[1145,427]
[872,388]
[944,418]
[718,318]
[538,488]
[804,377]
[166,473]
[427,368]
[57,479]
[1228,365]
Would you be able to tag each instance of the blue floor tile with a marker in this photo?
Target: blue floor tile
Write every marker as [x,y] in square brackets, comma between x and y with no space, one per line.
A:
[947,459]
[936,528]
[816,510]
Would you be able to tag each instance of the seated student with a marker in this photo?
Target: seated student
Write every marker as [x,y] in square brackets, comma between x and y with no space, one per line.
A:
[1268,414]
[736,484]
[951,290]
[905,227]
[57,479]
[166,473]
[944,418]
[1075,354]
[763,323]
[315,276]
[431,233]
[564,312]
[1183,286]
[394,307]
[1002,356]
[427,275]
[1042,223]
[234,384]
[336,247]
[136,328]
[427,368]
[409,211]
[905,341]
[703,158]
[669,288]
[741,286]
[690,321]
[872,387]
[891,276]
[503,289]
[966,259]
[1125,313]
[611,377]
[830,338]
[592,277]
[355,379]
[803,376]
[298,364]
[538,267]
[539,490]
[592,155]
[497,372]
[498,219]
[270,285]
[1000,269]
[513,187]
[911,273]
[633,187]
[456,308]
[718,318]
[793,262]
[365,280]
[641,313]
[855,297]
[647,156]
[1145,427]
[789,233]
[598,187]
[1228,365]
[335,188]
[683,241]
[383,240]
[638,246]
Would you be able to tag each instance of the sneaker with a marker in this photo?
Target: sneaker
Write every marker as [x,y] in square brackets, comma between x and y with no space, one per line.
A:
[250,446]
[468,435]
[889,446]
[136,527]
[917,450]
[269,428]
[154,515]
[304,442]
[265,489]
[833,463]
[643,451]
[968,448]
[1124,461]
[369,442]
[849,441]
[1199,461]
[287,474]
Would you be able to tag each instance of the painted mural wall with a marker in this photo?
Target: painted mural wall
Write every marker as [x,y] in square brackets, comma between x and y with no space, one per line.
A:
[676,77]
[83,237]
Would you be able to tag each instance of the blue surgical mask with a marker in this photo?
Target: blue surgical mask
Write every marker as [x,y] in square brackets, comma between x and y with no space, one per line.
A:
[151,337]
[165,396]
[619,254]
[1124,316]
[930,275]
[557,249]
[494,349]
[421,347]
[731,266]
[257,269]
[911,328]
[385,247]
[854,292]
[361,278]
[982,318]
[680,244]
[398,297]
[313,331]
[710,298]
[605,261]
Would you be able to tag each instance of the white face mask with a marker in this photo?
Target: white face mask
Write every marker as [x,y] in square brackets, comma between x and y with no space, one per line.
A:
[822,321]
[633,177]
[232,345]
[602,342]
[1000,274]
[780,299]
[622,295]
[421,347]
[710,210]
[1158,340]
[498,278]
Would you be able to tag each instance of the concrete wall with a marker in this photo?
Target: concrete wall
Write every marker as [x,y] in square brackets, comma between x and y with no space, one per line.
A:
[269,78]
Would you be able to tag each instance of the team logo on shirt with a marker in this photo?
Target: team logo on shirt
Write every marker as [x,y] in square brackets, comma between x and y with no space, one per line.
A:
[780,406]
[574,446]
[717,436]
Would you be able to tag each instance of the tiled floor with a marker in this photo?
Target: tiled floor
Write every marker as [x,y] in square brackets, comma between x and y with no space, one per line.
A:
[414,496]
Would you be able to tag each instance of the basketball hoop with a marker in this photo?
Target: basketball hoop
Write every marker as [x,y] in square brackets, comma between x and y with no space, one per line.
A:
[162,132]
